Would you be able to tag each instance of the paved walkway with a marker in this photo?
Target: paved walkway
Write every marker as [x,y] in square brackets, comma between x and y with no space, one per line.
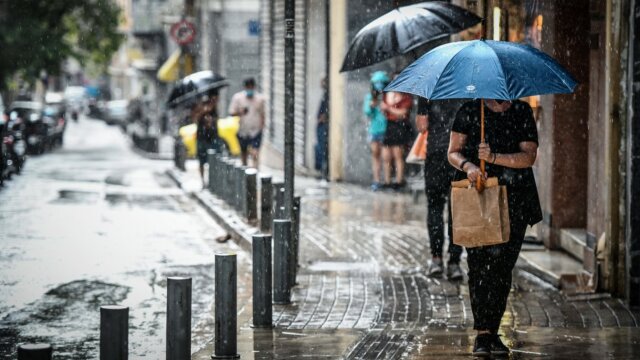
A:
[363,262]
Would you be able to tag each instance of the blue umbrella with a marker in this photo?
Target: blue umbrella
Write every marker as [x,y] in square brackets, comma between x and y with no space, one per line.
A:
[483,69]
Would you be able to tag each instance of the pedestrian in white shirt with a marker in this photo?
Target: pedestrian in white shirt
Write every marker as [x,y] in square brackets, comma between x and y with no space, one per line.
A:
[249,106]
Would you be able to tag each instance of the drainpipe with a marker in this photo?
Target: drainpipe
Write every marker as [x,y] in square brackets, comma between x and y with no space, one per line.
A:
[617,15]
[337,45]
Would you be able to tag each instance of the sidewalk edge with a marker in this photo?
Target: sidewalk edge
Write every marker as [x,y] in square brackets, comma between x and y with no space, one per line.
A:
[237,228]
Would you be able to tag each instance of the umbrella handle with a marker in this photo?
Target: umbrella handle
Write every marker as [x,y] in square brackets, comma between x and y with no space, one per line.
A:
[479,182]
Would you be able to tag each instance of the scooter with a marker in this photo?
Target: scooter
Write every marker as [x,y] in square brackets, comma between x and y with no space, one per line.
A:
[74,115]
[15,142]
[6,164]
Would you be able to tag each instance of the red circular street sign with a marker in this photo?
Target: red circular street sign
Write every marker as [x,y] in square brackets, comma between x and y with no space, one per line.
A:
[183,32]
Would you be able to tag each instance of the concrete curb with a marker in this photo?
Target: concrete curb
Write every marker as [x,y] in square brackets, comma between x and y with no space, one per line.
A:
[235,225]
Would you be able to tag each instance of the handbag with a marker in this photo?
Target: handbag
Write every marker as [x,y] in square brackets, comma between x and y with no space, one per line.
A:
[418,152]
[479,218]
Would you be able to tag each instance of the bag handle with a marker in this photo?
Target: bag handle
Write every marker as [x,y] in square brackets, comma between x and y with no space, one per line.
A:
[479,182]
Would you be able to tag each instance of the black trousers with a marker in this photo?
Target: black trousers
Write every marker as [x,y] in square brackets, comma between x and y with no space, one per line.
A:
[490,270]
[436,200]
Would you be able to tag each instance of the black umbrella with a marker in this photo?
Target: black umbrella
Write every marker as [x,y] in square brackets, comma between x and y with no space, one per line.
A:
[188,89]
[405,29]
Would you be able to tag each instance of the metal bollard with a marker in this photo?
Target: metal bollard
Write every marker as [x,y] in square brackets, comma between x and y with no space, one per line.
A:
[211,154]
[251,194]
[240,188]
[278,204]
[35,352]
[295,239]
[214,167]
[226,313]
[262,315]
[228,173]
[114,332]
[282,261]
[266,204]
[220,178]
[235,186]
[178,318]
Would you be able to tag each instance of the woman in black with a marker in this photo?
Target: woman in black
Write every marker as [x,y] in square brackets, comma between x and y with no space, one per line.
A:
[510,148]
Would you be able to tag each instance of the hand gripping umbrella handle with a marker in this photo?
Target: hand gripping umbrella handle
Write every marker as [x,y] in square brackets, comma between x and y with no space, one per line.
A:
[479,182]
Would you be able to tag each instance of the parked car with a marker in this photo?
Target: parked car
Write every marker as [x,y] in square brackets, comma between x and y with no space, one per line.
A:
[53,116]
[116,112]
[35,131]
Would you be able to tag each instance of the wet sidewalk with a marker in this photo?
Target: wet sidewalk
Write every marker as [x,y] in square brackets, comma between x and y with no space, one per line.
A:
[362,288]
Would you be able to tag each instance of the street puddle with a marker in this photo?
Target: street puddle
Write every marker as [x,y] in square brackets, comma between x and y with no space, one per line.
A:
[154,202]
[66,316]
[76,197]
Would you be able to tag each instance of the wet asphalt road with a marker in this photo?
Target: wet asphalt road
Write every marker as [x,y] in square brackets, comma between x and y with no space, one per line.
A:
[94,224]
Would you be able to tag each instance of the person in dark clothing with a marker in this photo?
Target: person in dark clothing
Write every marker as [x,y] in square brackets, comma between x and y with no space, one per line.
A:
[510,149]
[436,117]
[322,134]
[206,118]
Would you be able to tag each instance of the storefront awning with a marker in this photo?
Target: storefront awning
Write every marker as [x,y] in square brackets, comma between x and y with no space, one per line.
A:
[170,70]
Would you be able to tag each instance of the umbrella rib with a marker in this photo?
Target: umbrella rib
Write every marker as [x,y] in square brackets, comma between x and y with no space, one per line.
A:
[444,67]
[559,77]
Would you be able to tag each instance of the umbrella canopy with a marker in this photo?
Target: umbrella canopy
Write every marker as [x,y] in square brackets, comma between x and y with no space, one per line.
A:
[483,69]
[191,86]
[405,29]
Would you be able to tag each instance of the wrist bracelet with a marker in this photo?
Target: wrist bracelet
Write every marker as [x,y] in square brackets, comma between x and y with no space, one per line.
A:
[495,156]
[462,164]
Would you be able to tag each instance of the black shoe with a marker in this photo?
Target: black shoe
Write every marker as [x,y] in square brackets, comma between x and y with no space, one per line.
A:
[399,186]
[497,347]
[482,345]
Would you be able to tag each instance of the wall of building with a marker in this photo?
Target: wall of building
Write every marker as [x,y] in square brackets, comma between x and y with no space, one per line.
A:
[316,69]
[228,47]
[563,131]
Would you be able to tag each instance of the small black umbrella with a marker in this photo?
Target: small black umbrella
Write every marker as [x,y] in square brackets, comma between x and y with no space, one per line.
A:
[190,87]
[405,29]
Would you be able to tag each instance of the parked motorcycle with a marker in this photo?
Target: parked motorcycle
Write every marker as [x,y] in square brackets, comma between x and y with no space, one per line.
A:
[17,146]
[6,164]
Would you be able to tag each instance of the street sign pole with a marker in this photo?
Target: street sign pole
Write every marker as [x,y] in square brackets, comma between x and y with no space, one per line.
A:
[289,43]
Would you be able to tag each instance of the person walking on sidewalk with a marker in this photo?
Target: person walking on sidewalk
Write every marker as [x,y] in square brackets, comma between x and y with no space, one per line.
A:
[436,117]
[377,123]
[509,152]
[205,114]
[322,134]
[249,106]
[397,108]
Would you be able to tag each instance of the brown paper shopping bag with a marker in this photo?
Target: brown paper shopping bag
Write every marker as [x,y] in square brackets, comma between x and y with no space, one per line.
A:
[479,218]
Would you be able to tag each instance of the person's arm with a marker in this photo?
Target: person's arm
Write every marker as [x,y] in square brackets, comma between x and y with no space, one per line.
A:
[233,106]
[422,115]
[457,160]
[368,105]
[422,122]
[527,135]
[401,110]
[520,160]
[262,116]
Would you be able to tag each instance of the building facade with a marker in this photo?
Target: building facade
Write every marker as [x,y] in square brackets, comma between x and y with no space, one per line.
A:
[587,167]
